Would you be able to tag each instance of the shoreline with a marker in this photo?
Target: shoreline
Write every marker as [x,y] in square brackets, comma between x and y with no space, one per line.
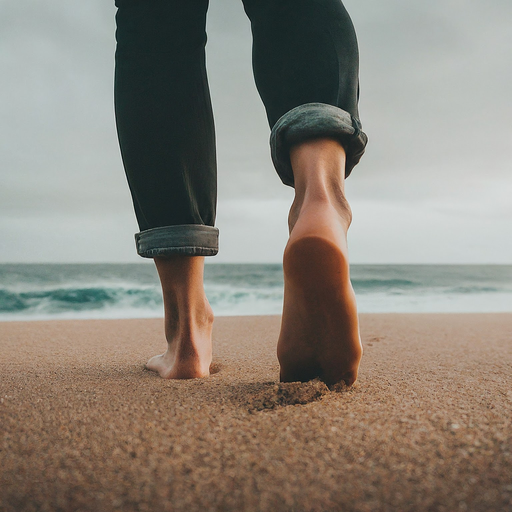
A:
[427,427]
[130,318]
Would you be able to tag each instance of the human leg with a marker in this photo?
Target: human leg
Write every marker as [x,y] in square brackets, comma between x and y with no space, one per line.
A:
[320,332]
[166,134]
[165,125]
[188,319]
[306,69]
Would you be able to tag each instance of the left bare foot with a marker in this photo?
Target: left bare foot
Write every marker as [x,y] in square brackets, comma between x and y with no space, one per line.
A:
[188,320]
[189,349]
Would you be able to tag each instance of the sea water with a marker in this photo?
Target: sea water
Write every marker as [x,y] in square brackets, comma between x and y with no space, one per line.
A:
[33,292]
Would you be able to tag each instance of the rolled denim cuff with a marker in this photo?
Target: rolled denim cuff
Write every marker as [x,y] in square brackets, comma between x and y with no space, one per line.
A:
[185,239]
[312,121]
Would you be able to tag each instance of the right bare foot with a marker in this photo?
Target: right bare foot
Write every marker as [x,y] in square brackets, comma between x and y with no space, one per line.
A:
[319,331]
[188,320]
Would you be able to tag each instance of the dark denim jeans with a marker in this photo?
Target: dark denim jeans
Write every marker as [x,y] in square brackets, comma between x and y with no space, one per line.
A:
[305,61]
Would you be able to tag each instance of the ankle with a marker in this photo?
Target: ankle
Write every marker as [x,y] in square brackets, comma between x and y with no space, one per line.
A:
[319,173]
[191,324]
[332,203]
[187,316]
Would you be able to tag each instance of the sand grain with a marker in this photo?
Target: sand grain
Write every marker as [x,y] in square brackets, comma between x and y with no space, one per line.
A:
[427,427]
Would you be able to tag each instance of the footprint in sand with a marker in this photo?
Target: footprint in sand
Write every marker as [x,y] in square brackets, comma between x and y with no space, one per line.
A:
[291,393]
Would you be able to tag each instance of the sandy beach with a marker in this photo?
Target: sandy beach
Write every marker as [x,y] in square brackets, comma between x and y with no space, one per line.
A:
[428,426]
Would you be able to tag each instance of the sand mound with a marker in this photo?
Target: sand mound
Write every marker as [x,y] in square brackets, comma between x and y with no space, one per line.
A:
[287,393]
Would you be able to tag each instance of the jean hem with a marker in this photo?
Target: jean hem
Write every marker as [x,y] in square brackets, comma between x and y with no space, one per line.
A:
[311,121]
[184,239]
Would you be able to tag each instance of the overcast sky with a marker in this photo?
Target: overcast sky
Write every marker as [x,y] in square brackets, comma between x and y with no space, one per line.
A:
[435,185]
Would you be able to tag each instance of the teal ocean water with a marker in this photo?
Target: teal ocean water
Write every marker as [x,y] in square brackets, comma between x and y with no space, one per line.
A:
[32,292]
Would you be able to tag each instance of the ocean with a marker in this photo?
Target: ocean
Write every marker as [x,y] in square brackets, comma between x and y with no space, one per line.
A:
[43,292]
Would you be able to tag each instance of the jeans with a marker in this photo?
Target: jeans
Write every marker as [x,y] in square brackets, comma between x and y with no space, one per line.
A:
[305,62]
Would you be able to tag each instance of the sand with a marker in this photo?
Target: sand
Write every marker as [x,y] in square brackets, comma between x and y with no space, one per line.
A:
[428,426]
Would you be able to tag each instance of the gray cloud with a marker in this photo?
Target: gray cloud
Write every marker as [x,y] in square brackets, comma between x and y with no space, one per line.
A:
[435,102]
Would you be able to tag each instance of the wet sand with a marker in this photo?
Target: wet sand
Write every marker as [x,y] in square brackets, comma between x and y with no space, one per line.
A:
[428,426]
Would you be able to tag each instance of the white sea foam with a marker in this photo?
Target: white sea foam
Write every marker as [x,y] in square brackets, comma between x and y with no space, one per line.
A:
[42,292]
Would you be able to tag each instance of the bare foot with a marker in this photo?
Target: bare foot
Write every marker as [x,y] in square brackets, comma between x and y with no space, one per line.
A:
[188,320]
[319,331]
[189,350]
